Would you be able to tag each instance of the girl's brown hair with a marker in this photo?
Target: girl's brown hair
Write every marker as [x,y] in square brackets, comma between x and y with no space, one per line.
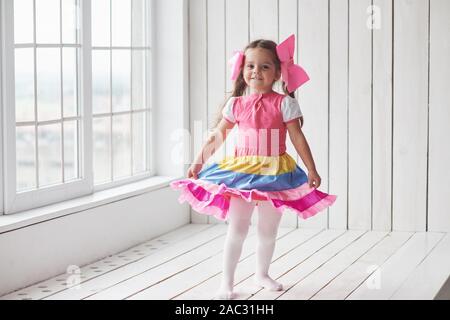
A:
[240,85]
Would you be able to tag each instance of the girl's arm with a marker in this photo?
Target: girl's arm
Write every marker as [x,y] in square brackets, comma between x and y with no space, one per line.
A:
[214,141]
[301,146]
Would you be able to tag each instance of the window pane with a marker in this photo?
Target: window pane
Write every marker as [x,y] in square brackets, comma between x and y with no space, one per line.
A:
[49,150]
[101,93]
[25,158]
[119,84]
[121,146]
[121,22]
[70,81]
[102,149]
[70,150]
[24,74]
[121,72]
[48,83]
[139,142]
[47,21]
[100,17]
[139,81]
[138,23]
[23,21]
[69,21]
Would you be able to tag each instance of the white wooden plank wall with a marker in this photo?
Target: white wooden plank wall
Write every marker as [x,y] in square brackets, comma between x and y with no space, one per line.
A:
[312,48]
[338,95]
[439,117]
[198,89]
[359,117]
[410,114]
[288,25]
[376,109]
[382,116]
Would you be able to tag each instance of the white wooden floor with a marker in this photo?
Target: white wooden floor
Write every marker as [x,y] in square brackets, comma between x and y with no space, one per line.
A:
[311,264]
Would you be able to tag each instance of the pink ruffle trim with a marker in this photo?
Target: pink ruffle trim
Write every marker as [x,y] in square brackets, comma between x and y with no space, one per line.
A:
[212,199]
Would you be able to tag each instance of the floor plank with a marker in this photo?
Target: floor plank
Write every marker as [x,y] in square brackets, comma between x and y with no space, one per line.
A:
[341,286]
[384,281]
[132,267]
[96,269]
[206,289]
[282,265]
[316,280]
[426,280]
[313,262]
[123,282]
[199,273]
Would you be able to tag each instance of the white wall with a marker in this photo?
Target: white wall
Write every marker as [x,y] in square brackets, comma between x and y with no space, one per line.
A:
[376,108]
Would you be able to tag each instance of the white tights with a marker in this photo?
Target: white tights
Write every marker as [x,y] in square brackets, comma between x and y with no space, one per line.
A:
[239,217]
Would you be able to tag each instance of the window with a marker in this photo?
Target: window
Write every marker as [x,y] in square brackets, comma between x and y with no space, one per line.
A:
[120,55]
[46,73]
[76,97]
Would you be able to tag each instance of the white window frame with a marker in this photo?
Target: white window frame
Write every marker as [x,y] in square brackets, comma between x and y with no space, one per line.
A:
[19,201]
[149,114]
[15,202]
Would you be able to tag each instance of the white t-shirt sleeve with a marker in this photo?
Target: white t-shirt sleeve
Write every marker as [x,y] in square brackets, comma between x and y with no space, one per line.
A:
[227,111]
[290,109]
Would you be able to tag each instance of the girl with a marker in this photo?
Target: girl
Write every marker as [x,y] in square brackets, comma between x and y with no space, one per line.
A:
[260,173]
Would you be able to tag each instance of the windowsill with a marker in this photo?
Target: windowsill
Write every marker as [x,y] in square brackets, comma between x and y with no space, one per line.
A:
[60,209]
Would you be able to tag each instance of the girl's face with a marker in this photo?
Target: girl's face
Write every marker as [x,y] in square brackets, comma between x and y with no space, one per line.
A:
[259,70]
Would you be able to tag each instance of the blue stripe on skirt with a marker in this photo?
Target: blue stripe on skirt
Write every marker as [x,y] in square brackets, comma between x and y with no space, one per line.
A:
[245,181]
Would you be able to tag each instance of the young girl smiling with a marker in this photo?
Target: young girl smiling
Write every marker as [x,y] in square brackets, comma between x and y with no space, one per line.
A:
[260,173]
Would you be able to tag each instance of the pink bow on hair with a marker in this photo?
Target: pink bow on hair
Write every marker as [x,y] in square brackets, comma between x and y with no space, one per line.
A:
[293,75]
[236,62]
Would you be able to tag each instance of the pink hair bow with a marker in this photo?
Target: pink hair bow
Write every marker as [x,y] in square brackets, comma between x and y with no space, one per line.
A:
[293,75]
[236,63]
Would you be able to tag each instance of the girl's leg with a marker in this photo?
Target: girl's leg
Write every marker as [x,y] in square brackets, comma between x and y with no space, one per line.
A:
[239,217]
[268,222]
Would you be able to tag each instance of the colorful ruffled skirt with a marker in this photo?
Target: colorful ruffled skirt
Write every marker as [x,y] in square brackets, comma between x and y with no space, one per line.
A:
[277,179]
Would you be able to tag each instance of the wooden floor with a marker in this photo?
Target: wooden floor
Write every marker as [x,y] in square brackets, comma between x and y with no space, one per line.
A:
[311,264]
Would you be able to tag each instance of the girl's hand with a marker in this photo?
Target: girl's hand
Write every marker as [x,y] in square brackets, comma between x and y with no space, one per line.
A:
[313,179]
[193,170]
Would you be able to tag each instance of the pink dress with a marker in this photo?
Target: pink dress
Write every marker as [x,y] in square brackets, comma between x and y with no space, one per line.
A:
[260,168]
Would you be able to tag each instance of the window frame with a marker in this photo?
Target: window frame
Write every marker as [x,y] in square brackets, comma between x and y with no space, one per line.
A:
[150,163]
[14,201]
[19,201]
